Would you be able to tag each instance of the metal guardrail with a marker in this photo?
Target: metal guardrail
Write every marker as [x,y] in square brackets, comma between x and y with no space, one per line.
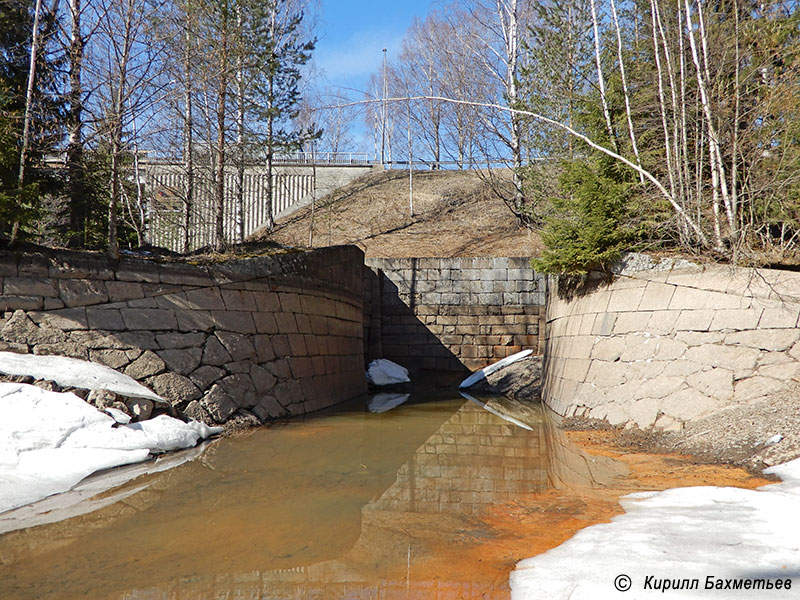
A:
[324,158]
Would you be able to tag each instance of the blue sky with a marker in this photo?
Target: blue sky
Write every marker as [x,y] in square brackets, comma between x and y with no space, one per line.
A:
[353,33]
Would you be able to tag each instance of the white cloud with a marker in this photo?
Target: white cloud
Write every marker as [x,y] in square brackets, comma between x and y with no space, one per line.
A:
[351,62]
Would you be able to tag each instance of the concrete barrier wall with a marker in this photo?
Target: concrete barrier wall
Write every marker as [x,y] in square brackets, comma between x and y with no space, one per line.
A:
[452,313]
[658,348]
[268,336]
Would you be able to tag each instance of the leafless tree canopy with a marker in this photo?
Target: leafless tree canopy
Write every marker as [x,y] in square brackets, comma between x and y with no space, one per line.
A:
[699,100]
[692,106]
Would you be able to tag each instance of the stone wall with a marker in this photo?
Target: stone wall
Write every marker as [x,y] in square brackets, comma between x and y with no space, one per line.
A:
[254,338]
[661,347]
[452,313]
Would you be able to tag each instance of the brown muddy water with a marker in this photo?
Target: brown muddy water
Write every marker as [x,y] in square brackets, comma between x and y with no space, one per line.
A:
[437,498]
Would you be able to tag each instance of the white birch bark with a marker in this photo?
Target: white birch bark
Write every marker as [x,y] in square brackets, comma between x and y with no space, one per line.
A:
[718,178]
[625,90]
[26,126]
[600,79]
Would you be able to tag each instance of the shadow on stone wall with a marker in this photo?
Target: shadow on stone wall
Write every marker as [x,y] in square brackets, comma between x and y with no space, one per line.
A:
[397,332]
[451,314]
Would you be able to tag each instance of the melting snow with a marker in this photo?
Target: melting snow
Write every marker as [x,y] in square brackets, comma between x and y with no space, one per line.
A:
[685,533]
[73,372]
[50,441]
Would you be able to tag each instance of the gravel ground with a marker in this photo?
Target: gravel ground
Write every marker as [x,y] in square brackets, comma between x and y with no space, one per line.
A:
[752,436]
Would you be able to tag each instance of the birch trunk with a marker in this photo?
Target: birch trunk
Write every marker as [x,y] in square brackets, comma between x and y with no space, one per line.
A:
[662,103]
[219,178]
[74,153]
[719,186]
[117,116]
[508,13]
[600,79]
[26,126]
[188,134]
[625,91]
[240,152]
[270,224]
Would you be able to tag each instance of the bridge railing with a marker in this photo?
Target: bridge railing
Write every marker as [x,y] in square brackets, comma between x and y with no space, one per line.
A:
[324,158]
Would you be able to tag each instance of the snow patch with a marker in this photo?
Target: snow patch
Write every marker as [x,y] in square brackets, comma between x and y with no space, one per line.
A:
[73,372]
[683,533]
[86,497]
[382,371]
[494,367]
[50,441]
[117,415]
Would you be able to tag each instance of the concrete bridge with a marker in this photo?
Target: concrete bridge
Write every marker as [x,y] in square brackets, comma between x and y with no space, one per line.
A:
[297,179]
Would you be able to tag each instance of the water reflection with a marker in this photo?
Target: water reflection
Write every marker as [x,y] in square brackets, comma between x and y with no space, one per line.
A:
[348,505]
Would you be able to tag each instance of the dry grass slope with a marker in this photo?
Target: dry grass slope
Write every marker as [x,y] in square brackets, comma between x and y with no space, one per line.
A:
[456,214]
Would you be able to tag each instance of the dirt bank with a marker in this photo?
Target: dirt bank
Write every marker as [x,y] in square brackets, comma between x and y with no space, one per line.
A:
[456,213]
[752,435]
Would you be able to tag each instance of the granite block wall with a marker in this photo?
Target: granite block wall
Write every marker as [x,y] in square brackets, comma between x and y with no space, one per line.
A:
[452,313]
[254,338]
[660,347]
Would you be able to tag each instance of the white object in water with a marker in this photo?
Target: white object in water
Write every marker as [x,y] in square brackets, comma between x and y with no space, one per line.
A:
[496,412]
[384,372]
[486,371]
[381,403]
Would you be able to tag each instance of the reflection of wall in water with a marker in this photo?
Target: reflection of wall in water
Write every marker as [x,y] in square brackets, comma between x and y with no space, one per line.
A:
[474,459]
[569,466]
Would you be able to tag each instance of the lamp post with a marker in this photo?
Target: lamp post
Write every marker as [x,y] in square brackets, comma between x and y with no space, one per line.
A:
[383,116]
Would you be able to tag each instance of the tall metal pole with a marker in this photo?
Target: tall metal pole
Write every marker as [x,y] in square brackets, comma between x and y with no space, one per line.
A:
[410,161]
[383,116]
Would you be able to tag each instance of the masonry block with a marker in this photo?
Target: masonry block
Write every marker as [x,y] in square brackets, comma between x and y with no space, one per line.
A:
[736,319]
[238,300]
[138,271]
[8,265]
[689,298]
[208,298]
[694,320]
[656,296]
[29,265]
[107,319]
[65,319]
[626,300]
[82,292]
[10,303]
[237,321]
[30,286]
[123,290]
[785,315]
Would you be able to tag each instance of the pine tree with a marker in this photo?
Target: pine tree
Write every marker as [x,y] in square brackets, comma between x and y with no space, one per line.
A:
[279,51]
[587,230]
[20,204]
